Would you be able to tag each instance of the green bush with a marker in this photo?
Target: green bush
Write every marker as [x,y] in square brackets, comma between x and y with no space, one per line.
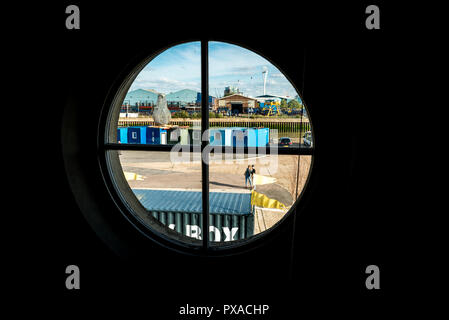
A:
[180,114]
[195,115]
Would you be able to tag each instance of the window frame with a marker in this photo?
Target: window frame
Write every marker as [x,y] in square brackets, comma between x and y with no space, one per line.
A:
[109,168]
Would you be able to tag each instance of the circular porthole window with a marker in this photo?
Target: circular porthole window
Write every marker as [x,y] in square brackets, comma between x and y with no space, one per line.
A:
[212,171]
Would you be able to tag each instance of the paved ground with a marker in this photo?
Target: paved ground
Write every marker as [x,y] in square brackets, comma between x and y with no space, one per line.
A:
[160,171]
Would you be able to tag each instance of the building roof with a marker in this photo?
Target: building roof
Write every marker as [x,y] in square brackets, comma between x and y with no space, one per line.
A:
[185,95]
[271,96]
[191,201]
[236,94]
[140,95]
[150,95]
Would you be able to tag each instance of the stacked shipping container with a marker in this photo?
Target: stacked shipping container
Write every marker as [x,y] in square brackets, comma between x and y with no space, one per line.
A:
[236,137]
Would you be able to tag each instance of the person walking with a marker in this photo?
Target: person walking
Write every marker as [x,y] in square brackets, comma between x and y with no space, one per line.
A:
[248,177]
[253,172]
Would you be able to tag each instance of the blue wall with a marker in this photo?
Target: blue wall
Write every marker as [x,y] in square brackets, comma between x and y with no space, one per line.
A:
[153,135]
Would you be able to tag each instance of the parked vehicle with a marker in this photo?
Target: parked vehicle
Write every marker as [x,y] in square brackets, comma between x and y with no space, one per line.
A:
[285,141]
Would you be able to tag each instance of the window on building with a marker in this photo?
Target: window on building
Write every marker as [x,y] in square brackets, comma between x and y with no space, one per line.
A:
[203,177]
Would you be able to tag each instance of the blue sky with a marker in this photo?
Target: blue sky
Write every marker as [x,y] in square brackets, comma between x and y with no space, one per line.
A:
[179,68]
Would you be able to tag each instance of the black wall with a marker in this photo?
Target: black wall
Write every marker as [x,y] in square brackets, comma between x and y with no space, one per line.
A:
[352,215]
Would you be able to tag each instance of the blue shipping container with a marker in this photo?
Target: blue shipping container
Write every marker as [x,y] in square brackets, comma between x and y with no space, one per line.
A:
[122,135]
[137,135]
[156,135]
[220,137]
[244,137]
[251,140]
[231,214]
[263,137]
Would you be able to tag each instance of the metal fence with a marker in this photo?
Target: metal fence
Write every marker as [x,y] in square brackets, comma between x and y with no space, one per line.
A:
[283,126]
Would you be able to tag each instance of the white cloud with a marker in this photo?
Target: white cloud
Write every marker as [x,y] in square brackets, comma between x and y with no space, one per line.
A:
[180,68]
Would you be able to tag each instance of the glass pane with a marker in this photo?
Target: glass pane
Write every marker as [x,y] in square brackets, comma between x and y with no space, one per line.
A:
[163,103]
[255,106]
[167,186]
[250,193]
[250,92]
[275,191]
[162,107]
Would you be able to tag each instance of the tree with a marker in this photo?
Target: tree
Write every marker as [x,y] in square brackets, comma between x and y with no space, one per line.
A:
[283,105]
[294,104]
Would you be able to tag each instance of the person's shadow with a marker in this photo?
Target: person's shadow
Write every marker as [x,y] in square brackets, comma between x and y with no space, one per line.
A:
[226,185]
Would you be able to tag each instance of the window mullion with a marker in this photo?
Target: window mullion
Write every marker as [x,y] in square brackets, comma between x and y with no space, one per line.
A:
[306,151]
[204,141]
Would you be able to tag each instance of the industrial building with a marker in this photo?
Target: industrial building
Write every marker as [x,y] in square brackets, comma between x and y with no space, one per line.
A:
[143,101]
[230,90]
[184,96]
[271,97]
[140,97]
[211,101]
[149,97]
[236,103]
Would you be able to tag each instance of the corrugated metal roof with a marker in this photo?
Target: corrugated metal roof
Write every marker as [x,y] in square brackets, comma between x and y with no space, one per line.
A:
[140,95]
[191,201]
[185,95]
[237,94]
